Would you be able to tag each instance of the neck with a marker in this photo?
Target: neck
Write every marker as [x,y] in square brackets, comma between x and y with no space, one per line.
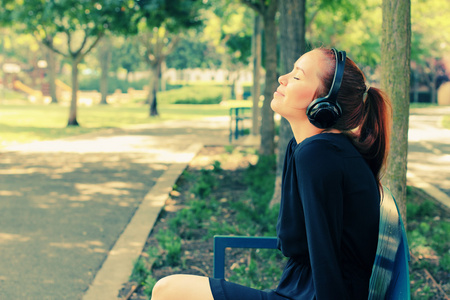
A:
[303,129]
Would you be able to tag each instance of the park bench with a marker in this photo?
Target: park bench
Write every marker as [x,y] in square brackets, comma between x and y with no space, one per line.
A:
[238,115]
[390,272]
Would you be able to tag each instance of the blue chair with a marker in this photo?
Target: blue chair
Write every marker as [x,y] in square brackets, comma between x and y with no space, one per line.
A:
[390,272]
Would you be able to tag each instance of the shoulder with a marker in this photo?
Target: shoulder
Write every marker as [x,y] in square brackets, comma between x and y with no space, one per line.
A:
[331,144]
[322,152]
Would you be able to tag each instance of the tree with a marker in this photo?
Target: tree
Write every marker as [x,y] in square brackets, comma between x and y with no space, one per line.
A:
[256,53]
[194,50]
[165,21]
[126,55]
[228,25]
[157,43]
[104,57]
[267,9]
[82,23]
[292,46]
[430,23]
[51,61]
[395,73]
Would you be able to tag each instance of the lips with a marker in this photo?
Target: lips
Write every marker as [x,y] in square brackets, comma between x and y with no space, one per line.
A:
[278,91]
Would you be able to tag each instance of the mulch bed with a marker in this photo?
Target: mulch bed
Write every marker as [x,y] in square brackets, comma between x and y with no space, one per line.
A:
[197,253]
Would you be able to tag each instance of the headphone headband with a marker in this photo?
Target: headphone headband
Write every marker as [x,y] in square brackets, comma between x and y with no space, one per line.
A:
[338,74]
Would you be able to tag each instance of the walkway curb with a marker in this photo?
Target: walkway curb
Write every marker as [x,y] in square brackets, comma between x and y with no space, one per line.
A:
[429,189]
[119,263]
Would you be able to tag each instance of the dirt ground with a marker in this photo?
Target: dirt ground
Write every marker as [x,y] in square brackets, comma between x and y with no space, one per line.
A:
[197,253]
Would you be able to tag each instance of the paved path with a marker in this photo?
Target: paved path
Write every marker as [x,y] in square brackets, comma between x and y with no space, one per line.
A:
[429,153]
[67,205]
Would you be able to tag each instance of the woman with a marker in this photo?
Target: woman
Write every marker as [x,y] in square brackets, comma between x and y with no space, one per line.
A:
[329,213]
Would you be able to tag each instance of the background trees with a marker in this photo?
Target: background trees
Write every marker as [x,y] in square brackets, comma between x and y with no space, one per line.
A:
[267,10]
[81,24]
[217,34]
[162,24]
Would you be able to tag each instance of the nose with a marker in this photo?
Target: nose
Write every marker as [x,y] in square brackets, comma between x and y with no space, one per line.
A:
[282,79]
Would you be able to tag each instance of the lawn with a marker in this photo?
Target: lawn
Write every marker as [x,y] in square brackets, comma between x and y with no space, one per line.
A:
[20,123]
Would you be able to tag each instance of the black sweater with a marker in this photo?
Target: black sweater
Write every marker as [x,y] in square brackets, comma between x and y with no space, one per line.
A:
[328,221]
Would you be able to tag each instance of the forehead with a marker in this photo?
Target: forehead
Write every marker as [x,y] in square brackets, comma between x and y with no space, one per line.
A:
[310,63]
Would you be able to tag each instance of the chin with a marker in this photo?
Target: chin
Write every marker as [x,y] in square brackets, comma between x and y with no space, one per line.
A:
[274,106]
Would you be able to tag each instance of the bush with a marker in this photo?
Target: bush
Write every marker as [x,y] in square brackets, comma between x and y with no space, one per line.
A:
[92,83]
[174,94]
[194,95]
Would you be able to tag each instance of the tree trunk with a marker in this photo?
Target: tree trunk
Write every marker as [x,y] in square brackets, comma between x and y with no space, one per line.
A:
[270,51]
[105,60]
[292,46]
[415,75]
[154,86]
[74,102]
[395,80]
[51,62]
[256,91]
[433,90]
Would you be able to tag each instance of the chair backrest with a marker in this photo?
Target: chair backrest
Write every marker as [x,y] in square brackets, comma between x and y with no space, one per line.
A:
[390,273]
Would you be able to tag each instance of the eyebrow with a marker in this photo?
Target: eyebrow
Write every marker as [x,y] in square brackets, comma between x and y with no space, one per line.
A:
[298,68]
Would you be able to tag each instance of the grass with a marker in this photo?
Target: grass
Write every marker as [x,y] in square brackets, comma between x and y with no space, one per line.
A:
[429,241]
[21,123]
[446,122]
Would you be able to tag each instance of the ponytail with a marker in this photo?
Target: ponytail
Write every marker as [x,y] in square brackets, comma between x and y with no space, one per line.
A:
[366,113]
[374,132]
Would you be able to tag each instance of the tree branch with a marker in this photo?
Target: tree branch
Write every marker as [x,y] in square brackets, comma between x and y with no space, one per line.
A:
[69,41]
[83,43]
[172,44]
[46,42]
[99,37]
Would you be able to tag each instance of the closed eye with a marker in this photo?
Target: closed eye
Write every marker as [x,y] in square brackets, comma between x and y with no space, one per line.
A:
[296,78]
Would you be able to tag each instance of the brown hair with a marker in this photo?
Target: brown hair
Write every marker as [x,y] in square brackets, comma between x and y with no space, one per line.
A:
[366,121]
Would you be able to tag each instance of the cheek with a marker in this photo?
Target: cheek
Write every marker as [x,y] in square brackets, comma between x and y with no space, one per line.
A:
[300,98]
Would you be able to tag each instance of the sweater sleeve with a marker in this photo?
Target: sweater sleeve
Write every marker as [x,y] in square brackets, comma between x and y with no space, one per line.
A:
[320,180]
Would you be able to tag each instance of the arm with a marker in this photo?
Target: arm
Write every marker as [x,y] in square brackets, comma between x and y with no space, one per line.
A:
[320,182]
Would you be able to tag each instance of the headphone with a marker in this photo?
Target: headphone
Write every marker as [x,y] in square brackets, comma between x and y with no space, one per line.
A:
[325,111]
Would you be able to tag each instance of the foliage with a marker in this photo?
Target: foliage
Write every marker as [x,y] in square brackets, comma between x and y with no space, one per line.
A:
[148,285]
[80,24]
[429,242]
[446,122]
[45,19]
[228,26]
[194,95]
[174,14]
[261,270]
[170,244]
[141,270]
[125,54]
[194,50]
[430,25]
[92,83]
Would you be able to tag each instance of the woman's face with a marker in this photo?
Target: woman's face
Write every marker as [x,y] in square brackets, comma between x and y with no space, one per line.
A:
[297,88]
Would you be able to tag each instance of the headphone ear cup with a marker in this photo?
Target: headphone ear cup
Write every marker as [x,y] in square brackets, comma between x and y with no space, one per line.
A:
[323,114]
